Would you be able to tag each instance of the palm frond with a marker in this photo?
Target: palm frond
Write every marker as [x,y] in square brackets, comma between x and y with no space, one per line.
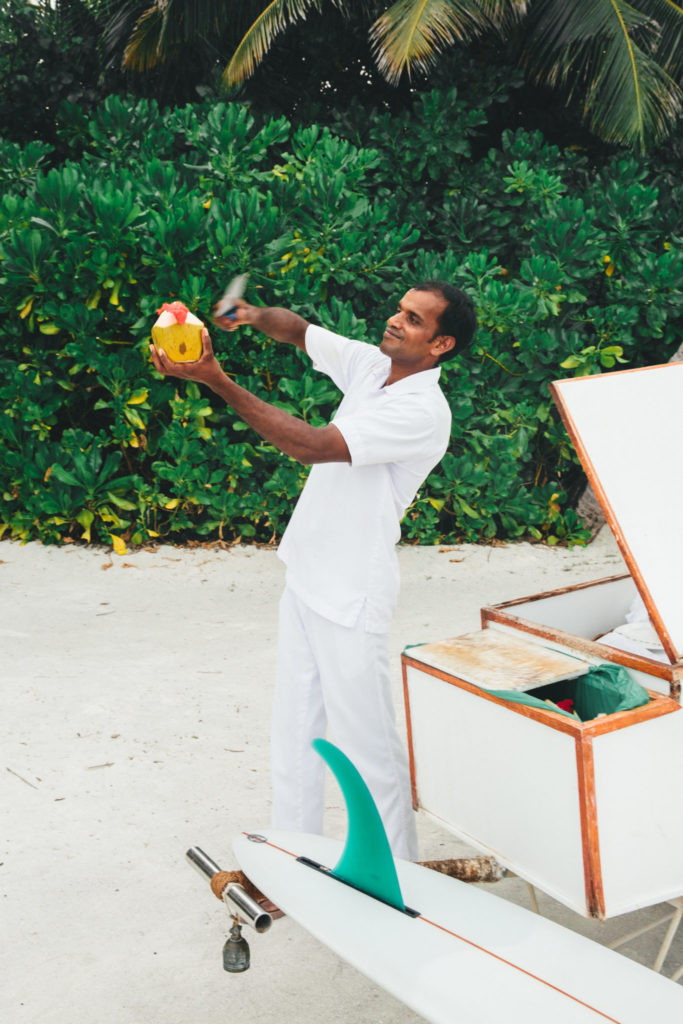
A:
[121,20]
[633,99]
[669,46]
[368,8]
[662,10]
[502,13]
[602,51]
[411,33]
[259,37]
[142,52]
[186,20]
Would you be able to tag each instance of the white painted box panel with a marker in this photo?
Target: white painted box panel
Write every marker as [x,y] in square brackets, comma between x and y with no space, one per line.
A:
[639,796]
[475,775]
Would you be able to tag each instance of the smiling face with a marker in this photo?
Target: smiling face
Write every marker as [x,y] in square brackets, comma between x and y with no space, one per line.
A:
[412,339]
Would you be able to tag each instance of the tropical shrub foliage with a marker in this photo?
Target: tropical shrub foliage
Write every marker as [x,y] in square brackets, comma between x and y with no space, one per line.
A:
[48,55]
[573,269]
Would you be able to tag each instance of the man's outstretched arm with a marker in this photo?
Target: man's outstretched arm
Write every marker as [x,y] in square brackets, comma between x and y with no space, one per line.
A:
[274,321]
[308,445]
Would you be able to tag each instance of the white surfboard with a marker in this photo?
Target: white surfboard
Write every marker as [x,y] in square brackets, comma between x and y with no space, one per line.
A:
[468,957]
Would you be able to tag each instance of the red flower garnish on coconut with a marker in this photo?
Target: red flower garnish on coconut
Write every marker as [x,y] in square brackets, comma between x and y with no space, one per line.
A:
[176,309]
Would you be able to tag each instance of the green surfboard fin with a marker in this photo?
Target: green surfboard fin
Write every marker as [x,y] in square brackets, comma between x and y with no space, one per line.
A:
[367,862]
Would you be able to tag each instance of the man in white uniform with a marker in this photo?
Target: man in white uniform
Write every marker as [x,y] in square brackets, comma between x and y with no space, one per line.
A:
[390,430]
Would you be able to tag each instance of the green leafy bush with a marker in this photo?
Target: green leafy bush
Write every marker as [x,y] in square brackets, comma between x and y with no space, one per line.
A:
[573,269]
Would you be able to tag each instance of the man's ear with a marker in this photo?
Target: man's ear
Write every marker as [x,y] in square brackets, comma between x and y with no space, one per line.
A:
[442,343]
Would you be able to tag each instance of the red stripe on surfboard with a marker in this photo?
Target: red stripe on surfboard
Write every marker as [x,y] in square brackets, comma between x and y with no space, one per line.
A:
[523,970]
[482,949]
[267,842]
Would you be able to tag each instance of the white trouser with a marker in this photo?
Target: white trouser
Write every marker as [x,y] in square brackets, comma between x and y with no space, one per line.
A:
[330,674]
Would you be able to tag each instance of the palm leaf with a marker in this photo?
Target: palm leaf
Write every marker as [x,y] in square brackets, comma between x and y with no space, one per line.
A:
[560,23]
[166,26]
[669,46]
[142,51]
[602,50]
[187,20]
[631,99]
[259,36]
[118,27]
[663,10]
[502,13]
[412,33]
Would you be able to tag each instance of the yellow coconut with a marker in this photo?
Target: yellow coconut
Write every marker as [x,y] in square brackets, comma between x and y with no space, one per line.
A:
[178,332]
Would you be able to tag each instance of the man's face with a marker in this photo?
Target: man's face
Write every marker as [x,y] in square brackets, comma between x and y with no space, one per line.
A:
[413,331]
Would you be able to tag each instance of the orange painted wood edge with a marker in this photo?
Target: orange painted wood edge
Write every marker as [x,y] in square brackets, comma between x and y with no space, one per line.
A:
[590,840]
[560,722]
[659,704]
[409,732]
[669,673]
[584,585]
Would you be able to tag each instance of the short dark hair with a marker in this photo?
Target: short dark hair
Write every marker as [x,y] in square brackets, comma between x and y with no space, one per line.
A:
[458,319]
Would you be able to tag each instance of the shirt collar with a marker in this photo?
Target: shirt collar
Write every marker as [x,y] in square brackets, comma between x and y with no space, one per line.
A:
[416,382]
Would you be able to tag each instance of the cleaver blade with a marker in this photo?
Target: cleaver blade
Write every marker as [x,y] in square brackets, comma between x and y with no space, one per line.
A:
[234,291]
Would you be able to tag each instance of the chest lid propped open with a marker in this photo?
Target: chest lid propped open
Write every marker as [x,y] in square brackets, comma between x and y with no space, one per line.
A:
[625,427]
[622,425]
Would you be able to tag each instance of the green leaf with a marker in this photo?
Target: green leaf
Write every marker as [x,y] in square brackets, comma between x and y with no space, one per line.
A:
[467,509]
[134,417]
[86,519]
[65,476]
[116,499]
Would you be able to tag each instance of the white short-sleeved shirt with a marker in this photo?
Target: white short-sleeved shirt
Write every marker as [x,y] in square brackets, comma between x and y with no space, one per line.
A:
[339,546]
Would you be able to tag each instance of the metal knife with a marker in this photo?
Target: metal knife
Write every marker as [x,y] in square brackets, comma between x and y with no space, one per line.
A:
[234,291]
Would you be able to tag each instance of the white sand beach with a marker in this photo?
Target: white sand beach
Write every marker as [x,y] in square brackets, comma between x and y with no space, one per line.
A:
[136,695]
